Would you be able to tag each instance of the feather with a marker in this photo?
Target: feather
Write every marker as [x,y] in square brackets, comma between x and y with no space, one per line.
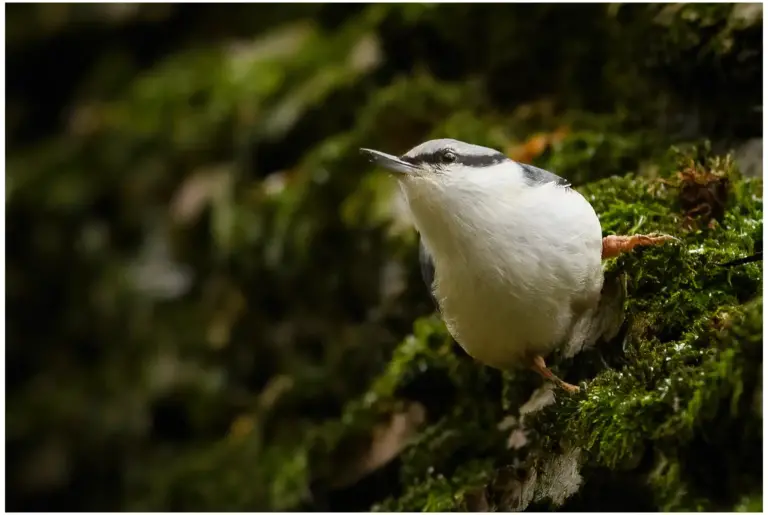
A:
[428,272]
[538,176]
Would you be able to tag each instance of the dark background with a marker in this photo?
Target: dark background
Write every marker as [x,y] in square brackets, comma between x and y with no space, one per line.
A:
[196,253]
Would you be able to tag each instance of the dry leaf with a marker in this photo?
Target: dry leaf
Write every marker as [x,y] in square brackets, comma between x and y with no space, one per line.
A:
[702,195]
[536,145]
[387,441]
[197,192]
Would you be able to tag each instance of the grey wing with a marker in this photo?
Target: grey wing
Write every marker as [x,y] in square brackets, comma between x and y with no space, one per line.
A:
[427,271]
[536,176]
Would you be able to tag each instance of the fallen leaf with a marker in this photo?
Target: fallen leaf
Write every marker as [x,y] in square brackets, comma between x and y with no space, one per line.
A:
[536,145]
[387,441]
[196,192]
[702,194]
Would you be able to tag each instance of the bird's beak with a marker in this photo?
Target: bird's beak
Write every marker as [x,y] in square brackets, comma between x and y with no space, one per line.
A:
[389,162]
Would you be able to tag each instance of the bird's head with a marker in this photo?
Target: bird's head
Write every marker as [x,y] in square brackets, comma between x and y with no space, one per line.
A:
[451,165]
[445,180]
[450,184]
[442,162]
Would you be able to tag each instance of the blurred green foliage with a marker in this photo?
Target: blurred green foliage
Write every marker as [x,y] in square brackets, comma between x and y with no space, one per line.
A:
[210,295]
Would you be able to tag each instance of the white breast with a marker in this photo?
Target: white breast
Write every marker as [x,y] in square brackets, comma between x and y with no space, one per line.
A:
[515,265]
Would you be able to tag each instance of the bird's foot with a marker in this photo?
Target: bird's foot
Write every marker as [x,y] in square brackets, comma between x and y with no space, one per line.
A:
[614,245]
[540,368]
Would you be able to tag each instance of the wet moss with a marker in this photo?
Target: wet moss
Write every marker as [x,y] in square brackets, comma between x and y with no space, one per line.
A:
[689,374]
[261,376]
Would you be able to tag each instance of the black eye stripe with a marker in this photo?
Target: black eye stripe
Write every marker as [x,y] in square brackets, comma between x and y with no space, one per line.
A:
[473,160]
[432,158]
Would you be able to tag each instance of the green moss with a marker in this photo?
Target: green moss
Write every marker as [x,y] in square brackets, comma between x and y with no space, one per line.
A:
[689,361]
[680,374]
[280,481]
[750,504]
[598,146]
[439,493]
[263,383]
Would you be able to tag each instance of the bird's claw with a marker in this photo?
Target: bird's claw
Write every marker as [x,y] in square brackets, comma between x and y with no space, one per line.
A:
[568,387]
[538,365]
[614,245]
[656,238]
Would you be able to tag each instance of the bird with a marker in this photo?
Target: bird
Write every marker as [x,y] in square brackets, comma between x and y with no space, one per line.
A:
[511,253]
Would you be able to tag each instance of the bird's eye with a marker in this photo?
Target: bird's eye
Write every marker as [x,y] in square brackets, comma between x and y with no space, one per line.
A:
[448,156]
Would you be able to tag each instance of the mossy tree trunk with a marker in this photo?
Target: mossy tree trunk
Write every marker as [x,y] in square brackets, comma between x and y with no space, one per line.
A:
[214,303]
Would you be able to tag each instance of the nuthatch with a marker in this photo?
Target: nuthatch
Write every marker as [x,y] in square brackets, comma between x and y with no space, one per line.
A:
[510,252]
